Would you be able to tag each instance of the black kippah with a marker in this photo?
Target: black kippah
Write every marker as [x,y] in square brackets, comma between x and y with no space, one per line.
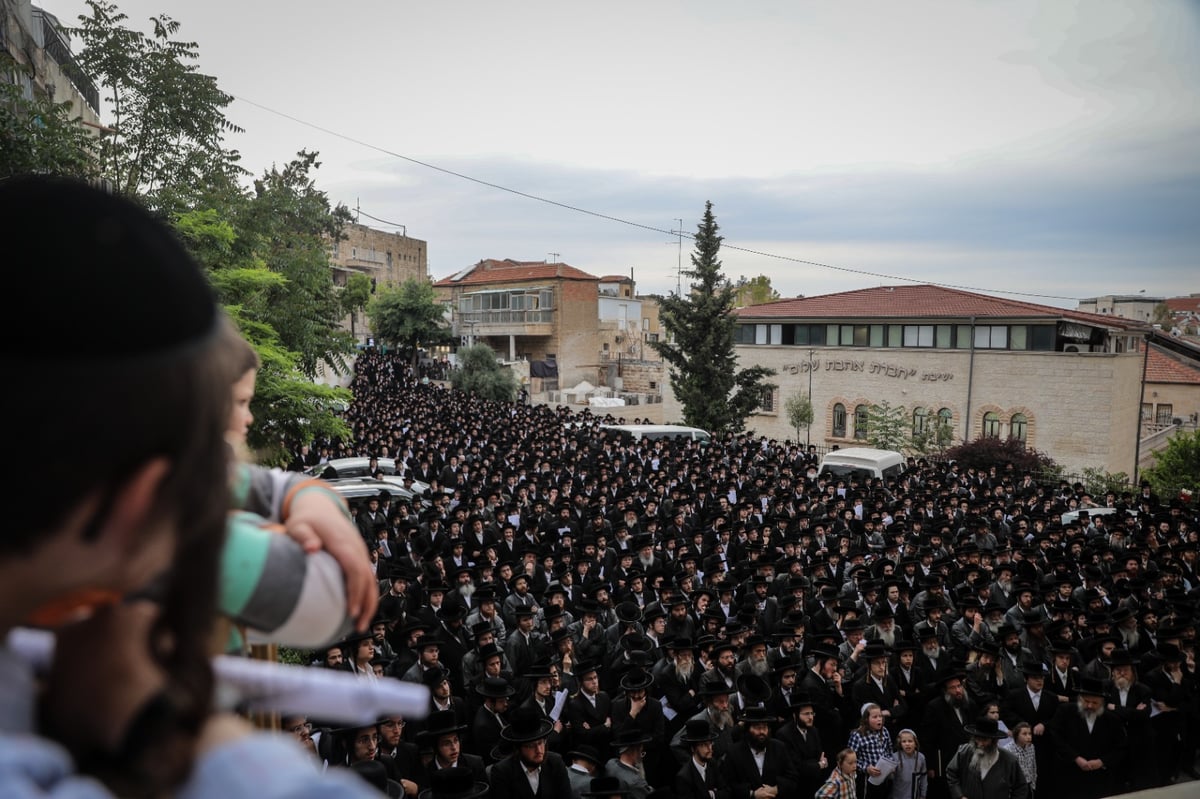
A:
[126,285]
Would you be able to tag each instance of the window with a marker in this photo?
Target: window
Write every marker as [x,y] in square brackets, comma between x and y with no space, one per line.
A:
[946,419]
[991,425]
[1018,337]
[744,335]
[962,337]
[895,335]
[1042,337]
[839,421]
[1163,414]
[944,333]
[991,337]
[877,335]
[860,422]
[918,335]
[1018,428]
[767,403]
[1147,411]
[920,421]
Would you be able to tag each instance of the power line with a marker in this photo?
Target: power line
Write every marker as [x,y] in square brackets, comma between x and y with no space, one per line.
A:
[619,220]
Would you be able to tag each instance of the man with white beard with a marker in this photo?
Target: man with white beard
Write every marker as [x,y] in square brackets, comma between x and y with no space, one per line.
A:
[1091,741]
[718,712]
[755,661]
[884,627]
[679,679]
[1132,701]
[982,770]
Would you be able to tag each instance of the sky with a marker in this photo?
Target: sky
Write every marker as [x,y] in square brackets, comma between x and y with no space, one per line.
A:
[1045,151]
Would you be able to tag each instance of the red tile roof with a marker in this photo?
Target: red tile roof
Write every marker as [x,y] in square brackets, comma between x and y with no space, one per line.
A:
[510,271]
[616,279]
[1163,367]
[1184,304]
[917,302]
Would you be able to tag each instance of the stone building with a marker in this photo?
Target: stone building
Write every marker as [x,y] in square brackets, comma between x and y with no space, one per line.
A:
[1065,382]
[387,258]
[1137,307]
[532,311]
[37,41]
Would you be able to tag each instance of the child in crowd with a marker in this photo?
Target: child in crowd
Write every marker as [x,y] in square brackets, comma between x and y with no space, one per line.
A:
[871,742]
[1020,743]
[909,779]
[129,695]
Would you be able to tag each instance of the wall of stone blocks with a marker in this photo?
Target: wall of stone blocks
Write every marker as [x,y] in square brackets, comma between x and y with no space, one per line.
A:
[1081,408]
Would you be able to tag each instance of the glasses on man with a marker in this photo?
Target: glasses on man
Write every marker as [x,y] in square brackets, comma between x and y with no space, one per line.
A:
[300,729]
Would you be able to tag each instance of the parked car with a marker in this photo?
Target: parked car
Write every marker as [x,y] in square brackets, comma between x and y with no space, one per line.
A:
[357,490]
[361,467]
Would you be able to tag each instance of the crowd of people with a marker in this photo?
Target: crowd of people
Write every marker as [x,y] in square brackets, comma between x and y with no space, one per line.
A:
[598,616]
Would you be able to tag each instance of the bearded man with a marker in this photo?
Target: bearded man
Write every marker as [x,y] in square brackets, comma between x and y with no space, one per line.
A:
[982,770]
[1132,701]
[679,680]
[1091,741]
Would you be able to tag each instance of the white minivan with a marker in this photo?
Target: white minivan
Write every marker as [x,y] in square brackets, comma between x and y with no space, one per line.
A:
[653,432]
[862,461]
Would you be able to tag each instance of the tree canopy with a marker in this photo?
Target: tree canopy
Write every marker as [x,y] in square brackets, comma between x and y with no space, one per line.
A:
[715,395]
[481,374]
[408,316]
[1177,466]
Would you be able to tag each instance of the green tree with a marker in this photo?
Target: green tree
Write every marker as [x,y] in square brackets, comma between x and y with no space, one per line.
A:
[937,435]
[409,316]
[1176,466]
[479,373]
[716,395]
[38,135]
[1162,316]
[1099,482]
[887,426]
[168,119]
[754,291]
[355,296]
[799,410]
[285,226]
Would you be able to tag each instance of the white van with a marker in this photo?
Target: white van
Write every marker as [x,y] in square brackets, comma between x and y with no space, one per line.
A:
[652,432]
[862,462]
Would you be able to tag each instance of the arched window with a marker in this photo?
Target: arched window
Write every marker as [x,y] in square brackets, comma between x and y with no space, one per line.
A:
[839,421]
[860,422]
[920,421]
[991,425]
[1019,427]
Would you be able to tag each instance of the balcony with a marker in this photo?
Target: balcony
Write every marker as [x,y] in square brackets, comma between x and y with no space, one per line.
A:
[507,323]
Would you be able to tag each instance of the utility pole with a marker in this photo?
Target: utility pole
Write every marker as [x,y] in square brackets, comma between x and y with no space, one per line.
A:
[553,258]
[679,261]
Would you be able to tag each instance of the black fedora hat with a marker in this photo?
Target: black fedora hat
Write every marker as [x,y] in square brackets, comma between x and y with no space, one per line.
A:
[983,727]
[697,731]
[630,736]
[758,715]
[442,722]
[713,687]
[454,783]
[525,725]
[1090,686]
[495,688]
[636,679]
[1033,668]
[1121,657]
[585,752]
[753,688]
[604,786]
[800,700]
[874,650]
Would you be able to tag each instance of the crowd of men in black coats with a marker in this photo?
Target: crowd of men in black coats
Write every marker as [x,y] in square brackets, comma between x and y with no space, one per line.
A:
[709,621]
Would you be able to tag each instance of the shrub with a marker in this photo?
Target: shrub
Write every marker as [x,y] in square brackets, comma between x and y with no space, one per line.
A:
[983,453]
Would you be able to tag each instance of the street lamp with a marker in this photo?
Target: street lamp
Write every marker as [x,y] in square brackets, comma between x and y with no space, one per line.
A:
[808,428]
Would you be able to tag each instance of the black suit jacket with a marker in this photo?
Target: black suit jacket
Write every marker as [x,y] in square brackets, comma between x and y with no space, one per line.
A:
[805,752]
[742,772]
[1017,707]
[689,784]
[485,734]
[509,782]
[943,733]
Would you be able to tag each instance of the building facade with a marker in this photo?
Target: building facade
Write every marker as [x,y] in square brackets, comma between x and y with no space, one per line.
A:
[532,311]
[38,43]
[1137,307]
[1064,382]
[385,257]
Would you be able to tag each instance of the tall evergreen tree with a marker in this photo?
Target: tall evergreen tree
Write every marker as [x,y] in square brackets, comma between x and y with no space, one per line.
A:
[715,394]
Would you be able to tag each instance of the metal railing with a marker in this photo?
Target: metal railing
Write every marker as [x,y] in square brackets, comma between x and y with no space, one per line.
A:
[57,48]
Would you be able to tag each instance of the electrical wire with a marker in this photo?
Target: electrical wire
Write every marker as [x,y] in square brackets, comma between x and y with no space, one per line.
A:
[651,228]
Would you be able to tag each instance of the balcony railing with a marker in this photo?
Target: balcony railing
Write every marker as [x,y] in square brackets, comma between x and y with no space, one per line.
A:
[484,319]
[60,52]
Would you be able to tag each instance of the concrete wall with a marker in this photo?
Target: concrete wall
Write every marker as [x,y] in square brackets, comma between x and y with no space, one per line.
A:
[388,257]
[1081,408]
[1183,398]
